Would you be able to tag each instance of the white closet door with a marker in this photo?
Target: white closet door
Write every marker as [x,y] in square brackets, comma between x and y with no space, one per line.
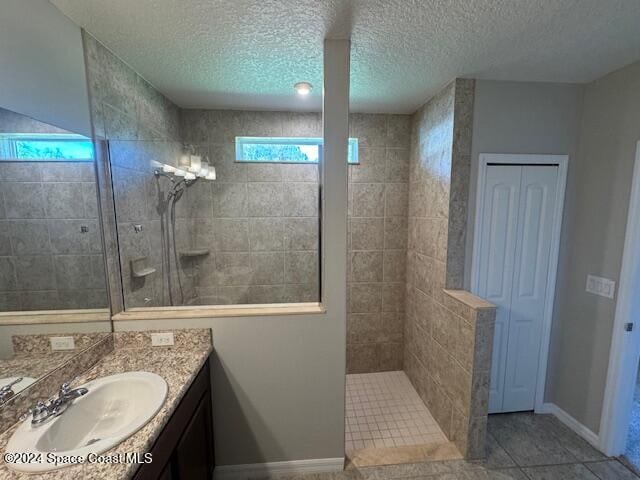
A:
[497,254]
[529,290]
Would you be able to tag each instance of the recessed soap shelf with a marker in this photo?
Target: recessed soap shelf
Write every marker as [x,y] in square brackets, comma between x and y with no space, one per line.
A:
[196,252]
[139,268]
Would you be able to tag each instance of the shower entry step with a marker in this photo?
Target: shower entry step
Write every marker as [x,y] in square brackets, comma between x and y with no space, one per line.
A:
[387,422]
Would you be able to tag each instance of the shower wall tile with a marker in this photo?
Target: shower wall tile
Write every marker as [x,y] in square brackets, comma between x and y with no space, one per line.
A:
[300,200]
[368,233]
[300,173]
[35,272]
[378,206]
[261,213]
[301,267]
[48,209]
[231,235]
[8,280]
[268,268]
[368,199]
[366,266]
[5,238]
[264,172]
[141,126]
[229,199]
[278,203]
[372,166]
[23,200]
[301,233]
[266,234]
[63,200]
[68,172]
[447,334]
[30,237]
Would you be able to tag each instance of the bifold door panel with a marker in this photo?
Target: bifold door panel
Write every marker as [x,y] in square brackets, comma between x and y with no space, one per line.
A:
[515,244]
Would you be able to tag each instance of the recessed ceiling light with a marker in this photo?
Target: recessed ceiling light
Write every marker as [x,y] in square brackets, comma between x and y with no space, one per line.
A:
[303,88]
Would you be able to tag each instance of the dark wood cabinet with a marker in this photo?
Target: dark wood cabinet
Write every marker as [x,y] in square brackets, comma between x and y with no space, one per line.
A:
[184,448]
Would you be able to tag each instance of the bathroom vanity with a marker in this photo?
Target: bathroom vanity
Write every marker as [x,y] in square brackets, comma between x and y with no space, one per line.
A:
[184,448]
[178,437]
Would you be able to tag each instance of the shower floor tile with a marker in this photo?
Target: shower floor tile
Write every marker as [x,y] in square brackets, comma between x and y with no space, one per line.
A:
[384,410]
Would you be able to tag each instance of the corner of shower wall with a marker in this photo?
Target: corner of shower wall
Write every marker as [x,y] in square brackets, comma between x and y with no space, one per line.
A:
[448,340]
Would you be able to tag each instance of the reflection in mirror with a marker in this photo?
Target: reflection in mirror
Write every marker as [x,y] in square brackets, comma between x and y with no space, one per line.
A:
[54,316]
[203,218]
[51,248]
[51,260]
[31,357]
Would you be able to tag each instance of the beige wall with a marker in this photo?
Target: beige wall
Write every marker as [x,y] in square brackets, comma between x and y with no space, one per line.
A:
[594,228]
[526,118]
[597,126]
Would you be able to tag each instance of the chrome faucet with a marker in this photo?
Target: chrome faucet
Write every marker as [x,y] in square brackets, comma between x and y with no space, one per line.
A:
[43,412]
[7,392]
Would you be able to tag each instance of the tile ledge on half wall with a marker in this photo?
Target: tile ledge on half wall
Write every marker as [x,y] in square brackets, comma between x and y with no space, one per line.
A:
[470,299]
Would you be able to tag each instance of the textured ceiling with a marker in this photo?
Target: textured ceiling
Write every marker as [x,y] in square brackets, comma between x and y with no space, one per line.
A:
[247,54]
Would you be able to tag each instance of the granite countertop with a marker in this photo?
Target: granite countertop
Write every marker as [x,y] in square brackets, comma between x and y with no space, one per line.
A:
[34,366]
[178,366]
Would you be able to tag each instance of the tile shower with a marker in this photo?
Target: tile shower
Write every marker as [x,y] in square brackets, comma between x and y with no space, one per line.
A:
[50,246]
[255,229]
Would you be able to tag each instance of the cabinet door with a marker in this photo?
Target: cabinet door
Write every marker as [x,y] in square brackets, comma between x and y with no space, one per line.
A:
[166,473]
[194,451]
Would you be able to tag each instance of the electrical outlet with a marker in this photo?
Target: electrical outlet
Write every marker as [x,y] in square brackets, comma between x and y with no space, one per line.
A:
[62,343]
[162,339]
[601,286]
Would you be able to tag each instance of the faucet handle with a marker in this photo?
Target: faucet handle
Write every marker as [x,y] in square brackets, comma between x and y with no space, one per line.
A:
[36,412]
[64,389]
[9,385]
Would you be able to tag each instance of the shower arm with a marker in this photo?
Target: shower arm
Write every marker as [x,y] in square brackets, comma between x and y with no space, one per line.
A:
[175,186]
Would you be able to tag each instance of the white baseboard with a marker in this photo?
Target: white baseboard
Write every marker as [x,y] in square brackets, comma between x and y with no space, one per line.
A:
[295,467]
[571,422]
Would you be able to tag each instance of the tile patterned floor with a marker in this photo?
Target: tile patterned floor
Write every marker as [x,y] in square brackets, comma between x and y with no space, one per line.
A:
[521,446]
[384,410]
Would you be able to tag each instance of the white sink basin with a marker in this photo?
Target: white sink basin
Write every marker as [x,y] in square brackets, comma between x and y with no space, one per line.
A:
[17,387]
[115,408]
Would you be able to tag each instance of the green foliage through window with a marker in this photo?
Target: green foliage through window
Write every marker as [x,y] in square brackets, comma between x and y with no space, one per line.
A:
[286,150]
[45,147]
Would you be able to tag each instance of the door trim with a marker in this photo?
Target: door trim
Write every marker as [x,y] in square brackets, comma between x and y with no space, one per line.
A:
[624,350]
[501,158]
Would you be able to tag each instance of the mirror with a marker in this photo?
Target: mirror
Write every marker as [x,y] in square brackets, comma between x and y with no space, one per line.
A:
[51,254]
[53,291]
[51,247]
[213,206]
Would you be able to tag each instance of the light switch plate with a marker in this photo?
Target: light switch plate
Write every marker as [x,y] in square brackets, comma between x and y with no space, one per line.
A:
[601,286]
[62,343]
[162,339]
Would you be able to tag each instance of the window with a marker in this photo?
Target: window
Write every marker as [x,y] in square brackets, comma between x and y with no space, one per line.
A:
[286,150]
[45,147]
